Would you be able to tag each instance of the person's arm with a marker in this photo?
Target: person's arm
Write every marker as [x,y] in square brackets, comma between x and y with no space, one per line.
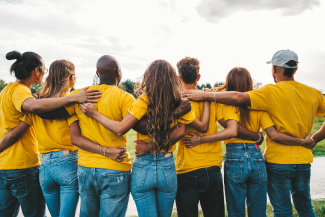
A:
[50,104]
[320,134]
[118,127]
[114,153]
[56,114]
[177,132]
[13,136]
[285,139]
[243,133]
[203,124]
[229,132]
[227,97]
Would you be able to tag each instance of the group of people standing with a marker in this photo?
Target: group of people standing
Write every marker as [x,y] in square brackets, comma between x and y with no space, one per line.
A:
[81,136]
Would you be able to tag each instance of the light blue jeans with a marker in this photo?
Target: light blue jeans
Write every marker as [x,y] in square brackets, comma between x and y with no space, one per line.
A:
[154,185]
[103,192]
[59,183]
[286,180]
[245,180]
[21,188]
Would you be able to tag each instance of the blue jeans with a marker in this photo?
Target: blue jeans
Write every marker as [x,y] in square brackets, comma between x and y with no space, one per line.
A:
[245,180]
[103,192]
[59,182]
[286,179]
[21,187]
[154,184]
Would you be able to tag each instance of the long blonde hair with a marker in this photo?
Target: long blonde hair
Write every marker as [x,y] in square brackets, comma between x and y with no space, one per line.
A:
[57,82]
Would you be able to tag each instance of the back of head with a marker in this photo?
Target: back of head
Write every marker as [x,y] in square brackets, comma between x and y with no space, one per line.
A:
[25,63]
[290,71]
[188,69]
[108,68]
[161,86]
[57,82]
[239,79]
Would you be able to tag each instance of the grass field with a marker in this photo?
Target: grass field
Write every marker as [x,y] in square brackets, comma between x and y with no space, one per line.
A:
[319,150]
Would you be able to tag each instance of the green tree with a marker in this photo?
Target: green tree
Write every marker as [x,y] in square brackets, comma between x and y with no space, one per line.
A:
[198,87]
[218,84]
[122,86]
[129,86]
[72,89]
[36,88]
[3,84]
[95,80]
[208,85]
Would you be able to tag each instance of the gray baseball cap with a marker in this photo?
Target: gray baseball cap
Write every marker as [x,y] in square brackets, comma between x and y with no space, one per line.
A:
[281,57]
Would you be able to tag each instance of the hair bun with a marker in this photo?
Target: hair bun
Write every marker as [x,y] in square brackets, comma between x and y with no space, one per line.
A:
[13,55]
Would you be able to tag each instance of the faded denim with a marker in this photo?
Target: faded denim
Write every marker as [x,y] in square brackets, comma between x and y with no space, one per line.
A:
[59,182]
[154,184]
[245,180]
[286,180]
[21,188]
[103,192]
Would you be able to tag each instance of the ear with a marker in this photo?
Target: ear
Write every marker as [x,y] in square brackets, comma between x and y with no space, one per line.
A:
[198,77]
[179,79]
[274,68]
[97,74]
[296,70]
[36,72]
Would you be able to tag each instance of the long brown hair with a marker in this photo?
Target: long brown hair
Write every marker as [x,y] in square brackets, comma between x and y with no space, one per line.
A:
[160,84]
[239,79]
[57,82]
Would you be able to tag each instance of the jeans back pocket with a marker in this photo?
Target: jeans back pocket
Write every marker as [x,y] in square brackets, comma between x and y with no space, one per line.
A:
[261,168]
[117,184]
[18,185]
[67,171]
[234,167]
[138,177]
[170,174]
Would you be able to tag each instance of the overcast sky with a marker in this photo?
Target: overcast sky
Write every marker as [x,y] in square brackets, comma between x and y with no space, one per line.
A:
[222,34]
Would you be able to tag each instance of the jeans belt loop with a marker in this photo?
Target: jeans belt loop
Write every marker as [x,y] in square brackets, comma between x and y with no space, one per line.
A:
[66,152]
[245,147]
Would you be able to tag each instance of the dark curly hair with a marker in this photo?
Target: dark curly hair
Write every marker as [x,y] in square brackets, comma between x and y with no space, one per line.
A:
[188,69]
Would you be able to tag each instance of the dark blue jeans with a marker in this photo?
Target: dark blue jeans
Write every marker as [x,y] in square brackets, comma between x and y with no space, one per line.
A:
[154,184]
[59,182]
[21,187]
[103,192]
[245,180]
[286,180]
[203,185]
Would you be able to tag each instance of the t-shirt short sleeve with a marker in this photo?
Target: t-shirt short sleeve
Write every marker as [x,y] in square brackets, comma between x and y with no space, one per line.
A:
[20,94]
[27,118]
[230,113]
[126,103]
[259,98]
[321,109]
[72,119]
[187,118]
[70,109]
[266,121]
[140,107]
[219,111]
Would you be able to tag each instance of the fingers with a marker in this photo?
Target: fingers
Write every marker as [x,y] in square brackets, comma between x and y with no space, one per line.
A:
[93,91]
[94,97]
[92,101]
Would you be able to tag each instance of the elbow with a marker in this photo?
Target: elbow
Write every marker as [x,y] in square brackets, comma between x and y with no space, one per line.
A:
[74,140]
[233,134]
[35,109]
[120,132]
[205,129]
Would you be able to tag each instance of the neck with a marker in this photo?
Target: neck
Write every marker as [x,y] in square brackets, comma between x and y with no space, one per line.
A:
[285,78]
[104,79]
[189,86]
[27,82]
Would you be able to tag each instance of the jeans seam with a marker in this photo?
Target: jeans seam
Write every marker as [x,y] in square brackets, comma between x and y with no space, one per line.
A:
[144,177]
[163,169]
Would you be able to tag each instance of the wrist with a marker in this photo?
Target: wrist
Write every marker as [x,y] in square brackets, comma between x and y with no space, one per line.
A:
[259,138]
[72,98]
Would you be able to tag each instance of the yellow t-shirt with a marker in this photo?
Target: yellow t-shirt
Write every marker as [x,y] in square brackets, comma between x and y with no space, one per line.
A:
[51,135]
[140,109]
[258,120]
[292,107]
[24,153]
[113,104]
[206,154]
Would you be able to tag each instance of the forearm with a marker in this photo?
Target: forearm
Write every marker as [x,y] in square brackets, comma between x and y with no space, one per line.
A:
[141,126]
[46,105]
[8,141]
[320,134]
[85,144]
[282,138]
[227,97]
[222,135]
[56,114]
[206,116]
[177,133]
[246,134]
[117,127]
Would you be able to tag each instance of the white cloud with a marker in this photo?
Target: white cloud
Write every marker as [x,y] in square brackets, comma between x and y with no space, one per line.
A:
[139,32]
